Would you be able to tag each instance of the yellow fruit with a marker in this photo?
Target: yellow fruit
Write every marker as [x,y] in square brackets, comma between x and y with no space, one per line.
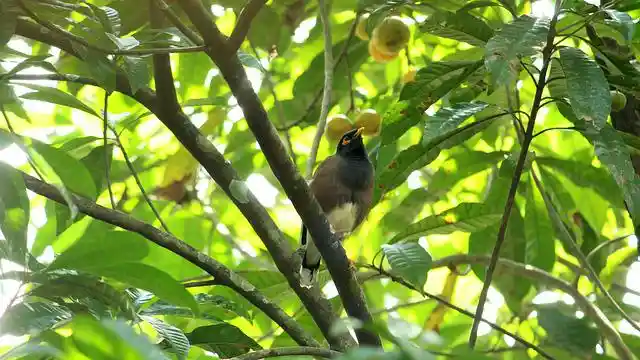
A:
[391,35]
[370,120]
[379,56]
[618,100]
[409,76]
[361,28]
[337,125]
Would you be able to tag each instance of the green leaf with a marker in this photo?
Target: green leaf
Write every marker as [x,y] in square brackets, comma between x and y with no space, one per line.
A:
[34,61]
[587,88]
[467,163]
[589,241]
[622,22]
[81,287]
[137,72]
[71,172]
[8,21]
[39,351]
[466,217]
[14,212]
[419,155]
[448,119]
[460,26]
[99,249]
[538,231]
[172,335]
[212,307]
[568,332]
[96,162]
[410,260]
[108,17]
[249,60]
[31,318]
[402,215]
[56,96]
[224,339]
[525,36]
[613,153]
[151,279]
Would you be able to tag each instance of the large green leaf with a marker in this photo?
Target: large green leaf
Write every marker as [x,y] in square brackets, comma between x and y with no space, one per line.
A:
[538,231]
[525,36]
[212,307]
[8,20]
[567,331]
[96,249]
[466,163]
[14,212]
[32,317]
[409,260]
[613,153]
[587,88]
[151,279]
[402,215]
[172,335]
[448,119]
[56,96]
[419,155]
[460,26]
[466,217]
[622,22]
[224,339]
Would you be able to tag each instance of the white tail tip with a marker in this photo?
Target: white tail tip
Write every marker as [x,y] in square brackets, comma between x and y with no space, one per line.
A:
[307,277]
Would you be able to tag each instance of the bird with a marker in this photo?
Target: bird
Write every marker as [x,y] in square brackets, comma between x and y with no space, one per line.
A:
[343,186]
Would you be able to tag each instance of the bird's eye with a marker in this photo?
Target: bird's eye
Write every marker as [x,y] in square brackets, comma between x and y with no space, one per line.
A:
[346,141]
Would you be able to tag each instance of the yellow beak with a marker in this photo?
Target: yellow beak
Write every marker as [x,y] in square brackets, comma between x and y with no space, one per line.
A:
[359,132]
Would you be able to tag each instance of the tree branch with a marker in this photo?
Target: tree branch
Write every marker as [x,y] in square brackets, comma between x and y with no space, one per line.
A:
[170,113]
[244,23]
[223,274]
[528,136]
[328,84]
[295,186]
[288,351]
[221,172]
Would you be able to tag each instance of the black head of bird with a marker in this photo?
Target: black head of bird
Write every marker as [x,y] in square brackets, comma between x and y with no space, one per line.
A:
[343,185]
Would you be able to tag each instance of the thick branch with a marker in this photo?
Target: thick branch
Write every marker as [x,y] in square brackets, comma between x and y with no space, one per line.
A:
[288,351]
[244,23]
[294,185]
[223,274]
[528,136]
[223,174]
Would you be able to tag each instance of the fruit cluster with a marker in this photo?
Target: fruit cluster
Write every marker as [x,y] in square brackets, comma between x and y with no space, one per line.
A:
[388,38]
[339,124]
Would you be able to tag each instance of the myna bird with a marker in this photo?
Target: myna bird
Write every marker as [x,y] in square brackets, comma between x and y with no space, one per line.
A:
[343,185]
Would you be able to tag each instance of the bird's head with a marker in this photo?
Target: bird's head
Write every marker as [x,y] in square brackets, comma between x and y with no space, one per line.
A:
[351,144]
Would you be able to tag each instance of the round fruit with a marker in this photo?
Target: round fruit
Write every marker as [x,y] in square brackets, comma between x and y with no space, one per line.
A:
[337,125]
[409,76]
[370,120]
[361,29]
[391,35]
[618,100]
[379,56]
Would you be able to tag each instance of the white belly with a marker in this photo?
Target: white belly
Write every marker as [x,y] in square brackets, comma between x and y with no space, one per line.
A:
[343,218]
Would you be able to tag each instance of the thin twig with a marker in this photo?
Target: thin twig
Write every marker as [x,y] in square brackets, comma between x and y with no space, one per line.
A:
[528,136]
[134,173]
[400,306]
[533,78]
[328,84]
[555,128]
[243,24]
[175,20]
[107,165]
[605,244]
[288,351]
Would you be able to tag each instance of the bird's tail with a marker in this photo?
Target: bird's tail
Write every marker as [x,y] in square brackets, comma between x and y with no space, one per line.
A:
[310,261]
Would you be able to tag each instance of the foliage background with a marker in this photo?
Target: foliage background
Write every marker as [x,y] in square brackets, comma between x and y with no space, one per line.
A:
[73,289]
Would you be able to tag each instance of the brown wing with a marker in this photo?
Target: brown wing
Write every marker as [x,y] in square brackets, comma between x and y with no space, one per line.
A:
[364,198]
[327,187]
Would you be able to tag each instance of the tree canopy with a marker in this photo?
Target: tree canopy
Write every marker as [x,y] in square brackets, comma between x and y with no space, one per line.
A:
[155,159]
